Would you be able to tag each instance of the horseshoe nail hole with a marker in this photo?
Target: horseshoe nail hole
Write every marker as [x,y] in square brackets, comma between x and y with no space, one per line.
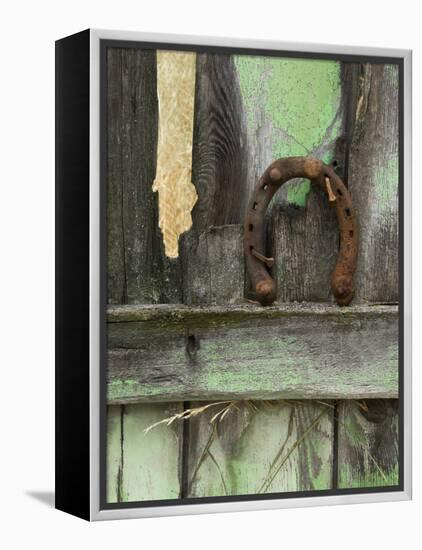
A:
[255,204]
[347,210]
[251,227]
[351,233]
[265,186]
[339,192]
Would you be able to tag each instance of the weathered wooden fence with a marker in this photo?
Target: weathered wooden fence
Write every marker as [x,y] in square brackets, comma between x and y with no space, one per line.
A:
[311,388]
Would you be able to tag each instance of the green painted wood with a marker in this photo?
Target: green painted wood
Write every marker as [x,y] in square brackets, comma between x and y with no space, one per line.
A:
[261,448]
[296,107]
[319,351]
[150,461]
[114,453]
[368,442]
[293,108]
[373,182]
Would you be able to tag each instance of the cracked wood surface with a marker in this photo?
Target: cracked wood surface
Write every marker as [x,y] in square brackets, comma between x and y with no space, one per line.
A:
[247,352]
[260,448]
[138,271]
[373,182]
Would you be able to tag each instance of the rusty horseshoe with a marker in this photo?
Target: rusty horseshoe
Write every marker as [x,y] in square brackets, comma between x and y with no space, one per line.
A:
[275,175]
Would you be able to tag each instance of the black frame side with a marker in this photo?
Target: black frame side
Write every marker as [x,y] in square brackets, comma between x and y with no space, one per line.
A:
[72,275]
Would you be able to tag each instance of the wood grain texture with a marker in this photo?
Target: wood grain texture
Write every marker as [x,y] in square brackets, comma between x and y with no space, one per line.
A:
[143,466]
[213,266]
[138,270]
[368,443]
[373,182]
[296,107]
[293,107]
[219,173]
[250,352]
[270,447]
[219,148]
[116,272]
[304,244]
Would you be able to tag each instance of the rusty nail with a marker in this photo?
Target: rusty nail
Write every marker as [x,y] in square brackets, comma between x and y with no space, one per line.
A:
[267,261]
[331,196]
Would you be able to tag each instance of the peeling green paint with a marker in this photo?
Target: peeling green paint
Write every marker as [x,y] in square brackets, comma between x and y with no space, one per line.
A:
[299,101]
[298,194]
[222,365]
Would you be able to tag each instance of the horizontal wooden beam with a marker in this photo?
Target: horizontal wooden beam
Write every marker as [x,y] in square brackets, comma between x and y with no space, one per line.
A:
[175,352]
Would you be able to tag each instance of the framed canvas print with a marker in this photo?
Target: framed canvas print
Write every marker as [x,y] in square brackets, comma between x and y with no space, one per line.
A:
[233,274]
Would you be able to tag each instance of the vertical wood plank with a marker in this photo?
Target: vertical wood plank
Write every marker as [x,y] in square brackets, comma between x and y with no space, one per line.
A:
[304,244]
[219,172]
[293,107]
[213,266]
[368,443]
[373,182]
[116,272]
[263,448]
[114,453]
[151,467]
[139,467]
[219,148]
[296,107]
[138,139]
[138,269]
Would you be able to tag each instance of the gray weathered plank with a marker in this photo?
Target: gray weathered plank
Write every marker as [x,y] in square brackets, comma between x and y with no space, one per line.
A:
[304,244]
[368,443]
[213,266]
[116,279]
[373,182]
[261,448]
[219,148]
[302,231]
[138,270]
[219,174]
[321,351]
